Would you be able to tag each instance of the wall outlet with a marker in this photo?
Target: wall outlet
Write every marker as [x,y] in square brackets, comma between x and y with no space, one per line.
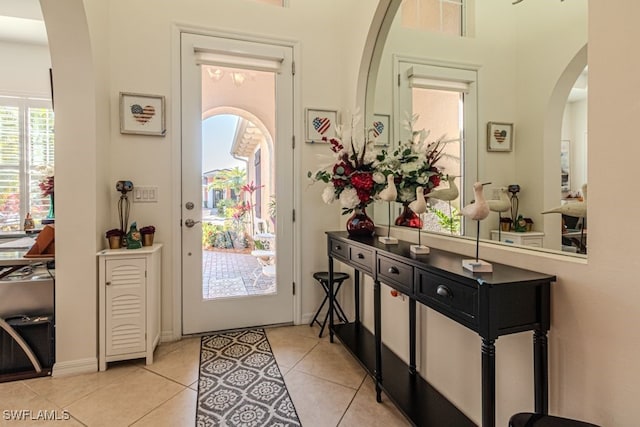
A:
[145,194]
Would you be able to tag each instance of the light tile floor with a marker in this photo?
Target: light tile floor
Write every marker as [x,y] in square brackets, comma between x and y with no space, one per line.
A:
[328,388]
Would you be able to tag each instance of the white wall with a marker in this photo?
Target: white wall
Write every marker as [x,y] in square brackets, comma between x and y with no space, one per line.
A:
[24,69]
[594,340]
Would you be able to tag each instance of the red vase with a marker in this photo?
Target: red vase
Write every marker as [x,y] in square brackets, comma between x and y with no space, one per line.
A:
[359,224]
[408,218]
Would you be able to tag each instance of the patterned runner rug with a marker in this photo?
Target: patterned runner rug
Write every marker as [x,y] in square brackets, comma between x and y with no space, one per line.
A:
[240,383]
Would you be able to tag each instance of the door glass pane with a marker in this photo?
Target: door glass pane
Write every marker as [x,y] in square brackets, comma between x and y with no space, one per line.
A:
[237,157]
[441,113]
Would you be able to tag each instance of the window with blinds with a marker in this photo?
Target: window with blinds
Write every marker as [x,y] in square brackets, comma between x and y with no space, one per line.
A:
[441,16]
[26,159]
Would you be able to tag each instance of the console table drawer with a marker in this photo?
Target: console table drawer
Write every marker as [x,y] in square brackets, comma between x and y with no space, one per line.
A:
[361,257]
[339,249]
[395,273]
[446,295]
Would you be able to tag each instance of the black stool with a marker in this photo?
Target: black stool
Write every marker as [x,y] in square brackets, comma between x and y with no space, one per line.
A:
[323,278]
[528,419]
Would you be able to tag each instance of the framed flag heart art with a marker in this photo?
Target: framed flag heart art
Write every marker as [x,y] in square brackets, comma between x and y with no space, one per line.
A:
[381,129]
[320,125]
[499,136]
[142,114]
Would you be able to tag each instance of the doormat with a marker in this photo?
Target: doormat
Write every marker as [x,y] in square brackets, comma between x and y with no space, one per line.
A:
[240,384]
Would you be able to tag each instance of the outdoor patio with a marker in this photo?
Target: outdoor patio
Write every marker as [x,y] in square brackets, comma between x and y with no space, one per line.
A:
[229,274]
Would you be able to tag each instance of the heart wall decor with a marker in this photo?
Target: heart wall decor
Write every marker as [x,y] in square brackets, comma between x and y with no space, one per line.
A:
[378,127]
[499,136]
[321,124]
[142,114]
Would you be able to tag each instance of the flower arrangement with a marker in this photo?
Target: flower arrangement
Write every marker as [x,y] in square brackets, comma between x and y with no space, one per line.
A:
[149,229]
[114,232]
[413,163]
[350,174]
[47,185]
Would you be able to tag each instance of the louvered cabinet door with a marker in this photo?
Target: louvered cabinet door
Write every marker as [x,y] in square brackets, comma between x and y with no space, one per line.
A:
[125,317]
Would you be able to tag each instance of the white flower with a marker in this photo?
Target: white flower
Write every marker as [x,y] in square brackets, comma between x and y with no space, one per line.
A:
[407,194]
[422,179]
[328,195]
[407,168]
[349,198]
[379,178]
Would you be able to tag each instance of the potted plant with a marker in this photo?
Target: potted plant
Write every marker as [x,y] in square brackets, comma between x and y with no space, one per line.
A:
[115,238]
[147,235]
[505,223]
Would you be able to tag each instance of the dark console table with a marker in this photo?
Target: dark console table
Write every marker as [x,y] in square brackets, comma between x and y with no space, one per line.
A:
[507,301]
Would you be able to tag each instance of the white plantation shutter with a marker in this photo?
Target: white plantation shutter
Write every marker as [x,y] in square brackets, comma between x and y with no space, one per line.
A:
[26,149]
[40,156]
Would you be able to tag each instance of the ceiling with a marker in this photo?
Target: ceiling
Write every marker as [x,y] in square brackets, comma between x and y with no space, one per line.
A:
[21,22]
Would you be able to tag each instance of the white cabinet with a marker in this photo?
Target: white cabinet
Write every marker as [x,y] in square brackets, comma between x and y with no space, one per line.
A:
[129,303]
[529,238]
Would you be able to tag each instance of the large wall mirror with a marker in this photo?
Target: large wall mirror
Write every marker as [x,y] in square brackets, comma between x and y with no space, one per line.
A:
[506,85]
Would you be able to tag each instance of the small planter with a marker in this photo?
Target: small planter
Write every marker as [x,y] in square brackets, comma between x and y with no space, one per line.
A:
[115,242]
[147,235]
[114,236]
[147,239]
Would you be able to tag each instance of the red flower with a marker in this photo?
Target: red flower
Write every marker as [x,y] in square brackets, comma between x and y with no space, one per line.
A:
[339,183]
[434,179]
[336,146]
[47,186]
[342,169]
[363,183]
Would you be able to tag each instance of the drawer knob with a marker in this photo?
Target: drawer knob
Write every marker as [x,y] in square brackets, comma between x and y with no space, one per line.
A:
[338,248]
[393,270]
[360,256]
[443,291]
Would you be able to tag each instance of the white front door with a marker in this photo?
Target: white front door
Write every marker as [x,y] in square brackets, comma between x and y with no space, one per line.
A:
[200,312]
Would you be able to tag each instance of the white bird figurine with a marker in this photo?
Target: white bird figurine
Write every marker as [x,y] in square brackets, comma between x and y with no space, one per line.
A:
[574,209]
[446,194]
[503,204]
[390,193]
[419,205]
[480,209]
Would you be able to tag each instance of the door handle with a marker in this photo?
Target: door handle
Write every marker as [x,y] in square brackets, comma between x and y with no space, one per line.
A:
[190,223]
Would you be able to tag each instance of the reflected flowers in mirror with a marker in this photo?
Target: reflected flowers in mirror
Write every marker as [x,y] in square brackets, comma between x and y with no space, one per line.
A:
[413,164]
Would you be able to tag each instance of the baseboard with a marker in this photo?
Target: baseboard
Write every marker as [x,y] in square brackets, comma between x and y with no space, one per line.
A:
[75,367]
[306,318]
[167,336]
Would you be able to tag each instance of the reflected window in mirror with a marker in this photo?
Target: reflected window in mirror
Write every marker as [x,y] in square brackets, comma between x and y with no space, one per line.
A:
[444,98]
[441,16]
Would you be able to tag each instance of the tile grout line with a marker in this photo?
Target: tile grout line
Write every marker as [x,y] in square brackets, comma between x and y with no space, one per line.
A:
[352,399]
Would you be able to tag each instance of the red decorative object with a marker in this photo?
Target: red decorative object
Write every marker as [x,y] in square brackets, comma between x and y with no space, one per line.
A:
[408,218]
[359,224]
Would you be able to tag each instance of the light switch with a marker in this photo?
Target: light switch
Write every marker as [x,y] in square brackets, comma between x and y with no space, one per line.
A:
[145,194]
